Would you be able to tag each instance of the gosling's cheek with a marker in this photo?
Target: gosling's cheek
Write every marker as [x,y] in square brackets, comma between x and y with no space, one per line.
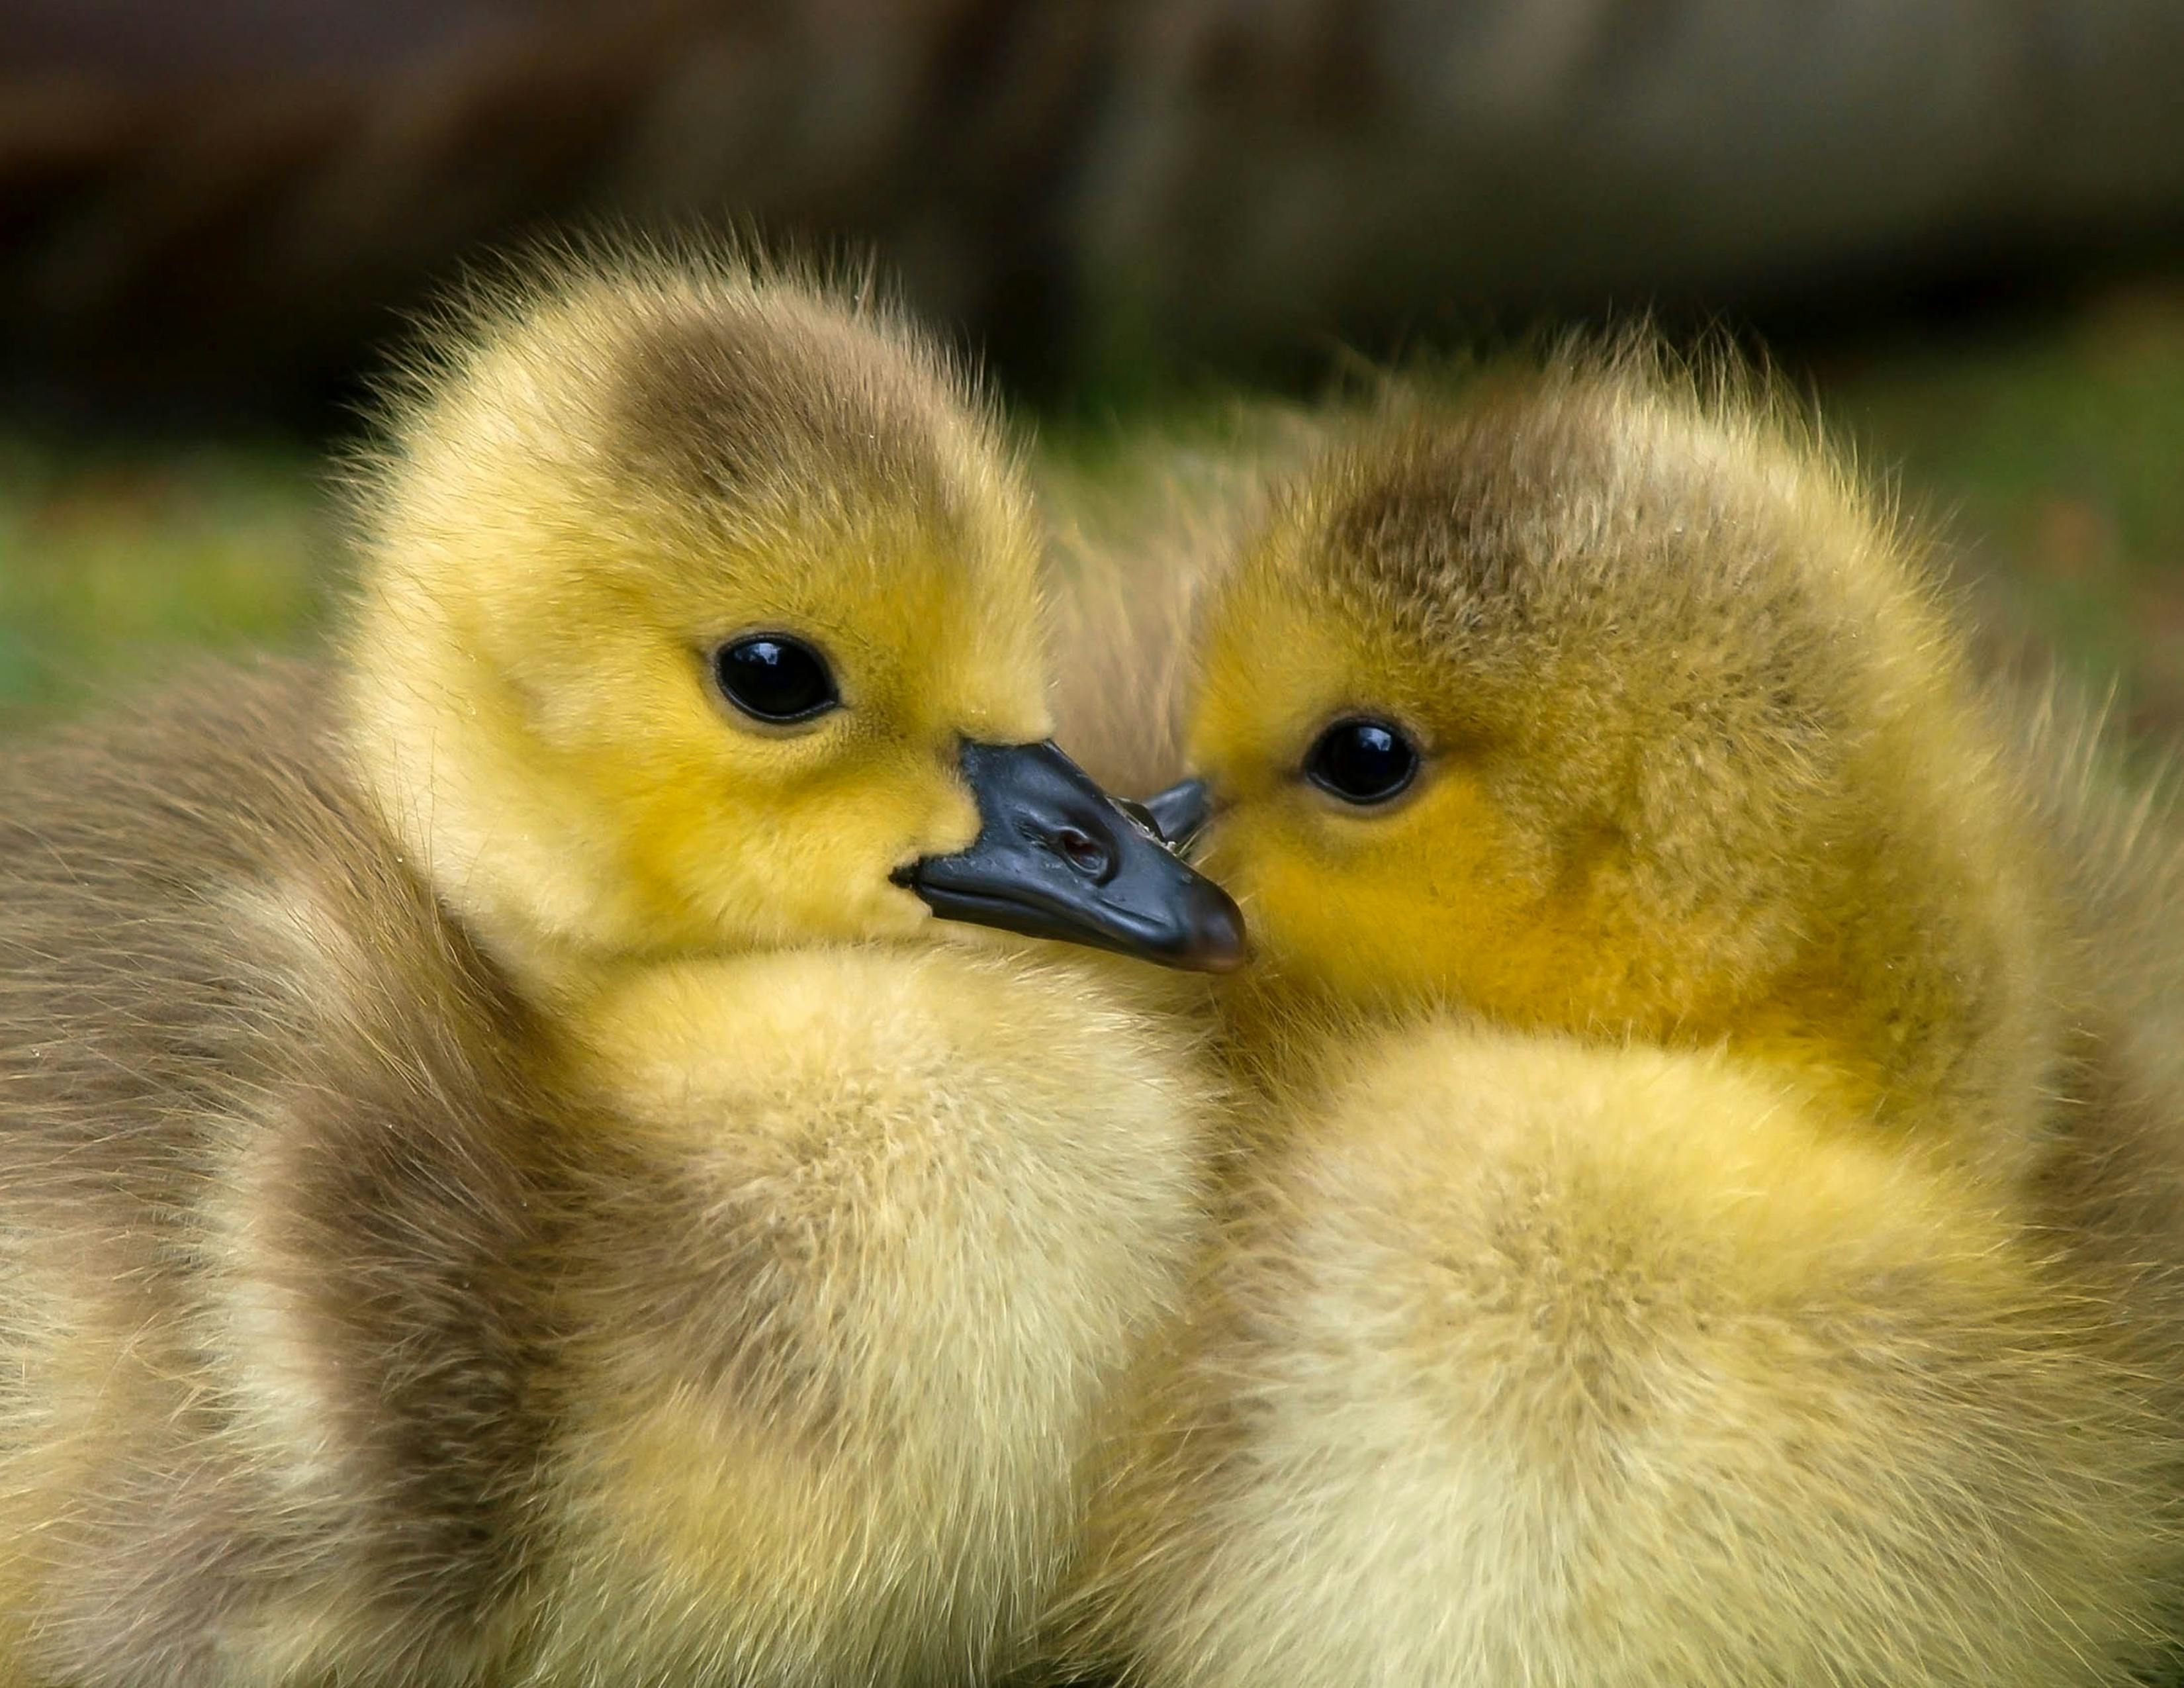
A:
[1222,852]
[1315,921]
[1285,898]
[951,823]
[914,808]
[823,903]
[842,884]
[888,911]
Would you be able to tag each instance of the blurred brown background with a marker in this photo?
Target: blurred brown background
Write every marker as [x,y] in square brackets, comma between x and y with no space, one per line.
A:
[1959,222]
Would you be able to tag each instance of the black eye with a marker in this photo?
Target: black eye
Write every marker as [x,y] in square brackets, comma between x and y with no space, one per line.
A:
[1362,762]
[772,677]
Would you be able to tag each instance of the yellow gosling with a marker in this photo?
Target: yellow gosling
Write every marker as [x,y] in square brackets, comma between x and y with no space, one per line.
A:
[509,1177]
[1712,1206]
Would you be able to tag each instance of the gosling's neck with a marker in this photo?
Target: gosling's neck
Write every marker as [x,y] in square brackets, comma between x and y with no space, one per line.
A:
[1914,1002]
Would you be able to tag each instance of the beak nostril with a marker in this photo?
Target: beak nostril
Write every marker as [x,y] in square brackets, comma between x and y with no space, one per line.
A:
[1053,860]
[1085,852]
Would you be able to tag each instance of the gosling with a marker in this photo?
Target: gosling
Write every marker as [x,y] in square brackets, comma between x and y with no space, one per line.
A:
[1708,1217]
[548,1149]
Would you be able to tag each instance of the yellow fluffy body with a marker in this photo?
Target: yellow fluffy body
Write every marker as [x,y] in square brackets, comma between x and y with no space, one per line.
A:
[1709,1213]
[949,1188]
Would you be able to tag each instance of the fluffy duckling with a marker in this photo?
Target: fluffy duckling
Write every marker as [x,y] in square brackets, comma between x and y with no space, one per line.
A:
[1713,1214]
[506,1177]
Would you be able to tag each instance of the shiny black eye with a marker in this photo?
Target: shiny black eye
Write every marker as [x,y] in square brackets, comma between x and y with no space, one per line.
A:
[1362,762]
[772,677]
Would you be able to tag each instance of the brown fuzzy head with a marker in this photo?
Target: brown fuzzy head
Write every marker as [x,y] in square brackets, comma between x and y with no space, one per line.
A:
[1588,702]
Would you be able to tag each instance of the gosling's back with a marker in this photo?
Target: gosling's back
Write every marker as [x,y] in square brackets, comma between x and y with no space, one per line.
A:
[271,1196]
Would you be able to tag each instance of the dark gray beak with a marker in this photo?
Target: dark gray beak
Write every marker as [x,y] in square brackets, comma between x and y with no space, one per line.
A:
[1056,857]
[1181,812]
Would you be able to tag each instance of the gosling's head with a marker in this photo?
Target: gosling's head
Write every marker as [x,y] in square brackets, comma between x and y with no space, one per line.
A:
[699,612]
[1588,701]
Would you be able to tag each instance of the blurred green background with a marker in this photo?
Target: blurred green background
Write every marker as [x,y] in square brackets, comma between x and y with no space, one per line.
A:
[1957,226]
[2048,457]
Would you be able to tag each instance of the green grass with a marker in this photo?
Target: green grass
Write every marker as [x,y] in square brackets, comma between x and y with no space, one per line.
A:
[2054,466]
[2053,460]
[117,564]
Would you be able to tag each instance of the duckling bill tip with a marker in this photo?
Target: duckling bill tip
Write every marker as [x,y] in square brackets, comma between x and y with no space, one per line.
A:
[1056,857]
